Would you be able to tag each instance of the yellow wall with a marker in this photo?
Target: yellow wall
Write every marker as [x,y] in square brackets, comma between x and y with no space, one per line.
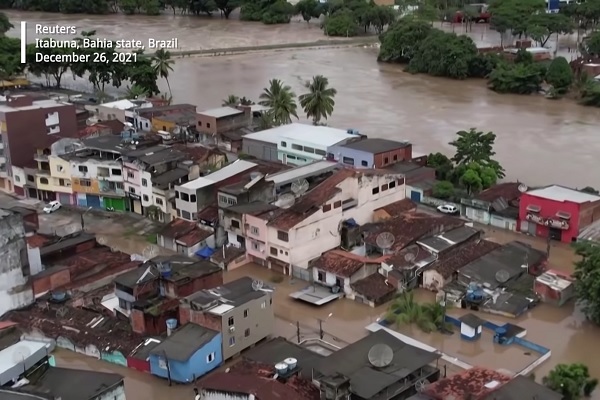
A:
[59,168]
[3,126]
[53,184]
[77,187]
[158,124]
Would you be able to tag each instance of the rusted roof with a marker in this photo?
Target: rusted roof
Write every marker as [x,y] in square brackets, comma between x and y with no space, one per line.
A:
[312,201]
[461,255]
[209,214]
[198,154]
[471,384]
[399,207]
[114,125]
[409,227]
[177,228]
[38,240]
[247,377]
[339,263]
[195,236]
[373,287]
[231,252]
[508,191]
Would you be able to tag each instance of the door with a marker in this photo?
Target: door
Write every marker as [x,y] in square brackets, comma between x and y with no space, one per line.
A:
[284,158]
[555,234]
[415,196]
[118,204]
[532,229]
[93,201]
[64,198]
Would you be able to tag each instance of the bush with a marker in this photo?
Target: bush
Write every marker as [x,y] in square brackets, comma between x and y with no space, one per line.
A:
[443,190]
[342,23]
[559,75]
[516,78]
[482,65]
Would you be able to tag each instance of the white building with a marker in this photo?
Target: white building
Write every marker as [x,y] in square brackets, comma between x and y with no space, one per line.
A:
[121,110]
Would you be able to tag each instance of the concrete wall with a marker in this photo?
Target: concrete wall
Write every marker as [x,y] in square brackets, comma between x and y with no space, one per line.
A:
[352,157]
[261,150]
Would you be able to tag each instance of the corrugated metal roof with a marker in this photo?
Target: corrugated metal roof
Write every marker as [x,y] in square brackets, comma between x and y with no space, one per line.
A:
[228,171]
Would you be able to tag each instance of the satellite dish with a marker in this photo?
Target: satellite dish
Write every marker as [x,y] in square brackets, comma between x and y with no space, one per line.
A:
[101,240]
[385,241]
[421,384]
[522,188]
[62,312]
[286,200]
[502,276]
[300,187]
[381,355]
[257,285]
[150,252]
[20,354]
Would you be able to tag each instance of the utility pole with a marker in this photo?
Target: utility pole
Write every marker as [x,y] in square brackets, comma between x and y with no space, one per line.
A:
[321,333]
[298,331]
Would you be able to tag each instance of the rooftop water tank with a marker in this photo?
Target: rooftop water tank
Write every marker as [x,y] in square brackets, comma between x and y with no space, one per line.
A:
[281,368]
[291,363]
[165,269]
[59,296]
[171,325]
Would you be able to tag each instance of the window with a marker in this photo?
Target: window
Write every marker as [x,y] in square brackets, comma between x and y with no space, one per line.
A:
[231,321]
[184,196]
[392,184]
[395,157]
[364,163]
[271,301]
[246,311]
[263,305]
[326,207]
[17,178]
[386,160]
[401,181]
[59,168]
[210,358]
[186,215]
[255,246]
[320,276]
[30,178]
[116,171]
[61,182]
[337,204]
[164,128]
[320,152]
[144,182]
[85,182]
[146,198]
[208,124]
[384,187]
[44,181]
[158,201]
[119,185]
[131,189]
[247,332]
[283,144]
[375,190]
[235,224]
[309,150]
[283,236]
[273,251]
[231,339]
[176,194]
[83,168]
[193,198]
[348,160]
[199,123]
[254,230]
[179,213]
[297,147]
[130,175]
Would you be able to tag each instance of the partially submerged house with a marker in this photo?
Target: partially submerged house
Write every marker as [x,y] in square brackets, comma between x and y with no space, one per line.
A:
[497,206]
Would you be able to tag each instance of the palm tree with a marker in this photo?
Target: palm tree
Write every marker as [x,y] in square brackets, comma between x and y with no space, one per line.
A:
[407,312]
[163,65]
[281,100]
[231,101]
[135,91]
[318,103]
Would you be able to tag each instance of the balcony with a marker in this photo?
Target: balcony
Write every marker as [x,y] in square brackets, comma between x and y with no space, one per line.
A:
[40,157]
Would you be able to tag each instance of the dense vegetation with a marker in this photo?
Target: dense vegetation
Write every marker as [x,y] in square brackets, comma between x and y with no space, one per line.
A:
[573,381]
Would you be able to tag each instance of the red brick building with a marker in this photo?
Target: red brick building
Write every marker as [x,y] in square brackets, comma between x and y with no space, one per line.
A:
[557,212]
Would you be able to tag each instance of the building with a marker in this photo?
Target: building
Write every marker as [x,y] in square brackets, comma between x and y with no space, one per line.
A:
[471,327]
[236,224]
[187,354]
[27,125]
[371,153]
[554,287]
[393,210]
[296,144]
[20,358]
[311,226]
[193,196]
[557,212]
[378,366]
[241,311]
[121,110]
[497,206]
[186,237]
[15,287]
[143,116]
[223,119]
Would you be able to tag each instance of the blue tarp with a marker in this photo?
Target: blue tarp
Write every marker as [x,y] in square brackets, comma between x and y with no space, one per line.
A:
[205,252]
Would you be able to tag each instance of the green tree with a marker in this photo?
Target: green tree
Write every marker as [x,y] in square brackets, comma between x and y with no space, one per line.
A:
[471,180]
[443,165]
[10,59]
[573,381]
[590,190]
[318,103]
[475,177]
[516,78]
[227,6]
[230,101]
[135,92]
[309,9]
[541,26]
[559,74]
[5,24]
[587,280]
[475,146]
[515,15]
[443,190]
[402,39]
[379,17]
[281,101]
[406,311]
[342,23]
[163,64]
[591,44]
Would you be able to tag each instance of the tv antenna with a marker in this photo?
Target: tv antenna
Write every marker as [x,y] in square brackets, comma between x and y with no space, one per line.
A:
[101,240]
[62,312]
[257,285]
[286,200]
[150,252]
[381,355]
[385,241]
[20,354]
[300,187]
[523,188]
[502,276]
[421,384]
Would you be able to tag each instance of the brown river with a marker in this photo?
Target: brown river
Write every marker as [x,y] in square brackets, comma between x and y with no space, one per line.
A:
[538,142]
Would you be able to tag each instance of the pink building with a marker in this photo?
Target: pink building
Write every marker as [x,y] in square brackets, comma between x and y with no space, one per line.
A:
[256,236]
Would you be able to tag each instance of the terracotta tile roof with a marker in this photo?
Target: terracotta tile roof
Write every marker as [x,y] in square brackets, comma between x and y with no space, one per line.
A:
[231,253]
[373,287]
[312,201]
[461,255]
[38,240]
[247,377]
[467,385]
[399,207]
[114,125]
[195,236]
[409,227]
[399,260]
[508,191]
[177,228]
[339,263]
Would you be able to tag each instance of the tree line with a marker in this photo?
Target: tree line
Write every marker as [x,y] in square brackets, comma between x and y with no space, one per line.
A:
[142,73]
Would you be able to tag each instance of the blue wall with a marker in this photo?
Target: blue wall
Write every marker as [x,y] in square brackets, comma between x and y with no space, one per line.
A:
[195,367]
[357,155]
